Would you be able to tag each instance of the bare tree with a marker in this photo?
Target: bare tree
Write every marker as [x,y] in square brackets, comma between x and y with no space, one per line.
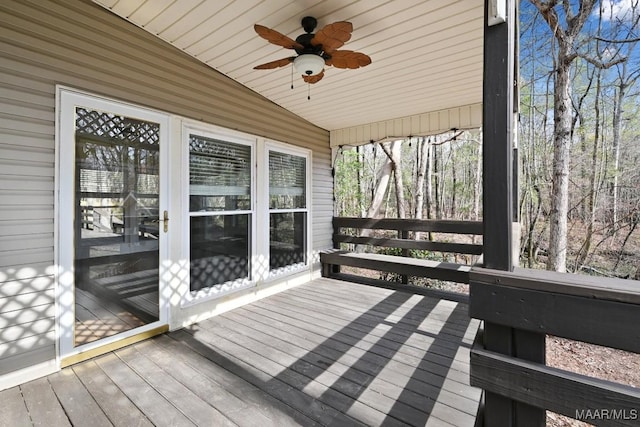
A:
[382,182]
[394,154]
[566,36]
[593,180]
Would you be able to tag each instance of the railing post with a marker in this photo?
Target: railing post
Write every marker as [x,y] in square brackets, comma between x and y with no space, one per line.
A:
[502,411]
[335,269]
[500,105]
[404,234]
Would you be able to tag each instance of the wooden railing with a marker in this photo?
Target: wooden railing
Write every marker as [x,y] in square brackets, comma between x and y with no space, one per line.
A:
[400,234]
[598,310]
[403,227]
[518,310]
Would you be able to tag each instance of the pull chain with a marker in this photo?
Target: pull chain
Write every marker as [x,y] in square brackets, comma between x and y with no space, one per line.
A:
[308,91]
[292,75]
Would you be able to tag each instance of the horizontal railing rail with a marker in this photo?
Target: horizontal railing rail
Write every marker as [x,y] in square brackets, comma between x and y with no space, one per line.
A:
[434,225]
[400,234]
[403,227]
[602,311]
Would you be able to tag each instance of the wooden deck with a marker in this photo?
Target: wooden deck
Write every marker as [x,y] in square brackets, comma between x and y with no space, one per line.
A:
[326,353]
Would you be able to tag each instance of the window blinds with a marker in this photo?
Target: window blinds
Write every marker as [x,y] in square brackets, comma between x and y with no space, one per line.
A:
[218,168]
[287,181]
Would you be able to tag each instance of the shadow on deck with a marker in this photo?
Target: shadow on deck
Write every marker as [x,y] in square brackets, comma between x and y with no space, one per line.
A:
[326,353]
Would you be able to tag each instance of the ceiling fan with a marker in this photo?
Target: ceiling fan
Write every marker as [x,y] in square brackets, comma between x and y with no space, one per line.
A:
[315,51]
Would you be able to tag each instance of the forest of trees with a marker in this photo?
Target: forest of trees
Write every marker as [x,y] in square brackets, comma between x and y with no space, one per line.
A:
[578,145]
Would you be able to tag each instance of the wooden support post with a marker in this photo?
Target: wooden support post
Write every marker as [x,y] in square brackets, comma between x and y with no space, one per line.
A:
[404,234]
[500,105]
[335,269]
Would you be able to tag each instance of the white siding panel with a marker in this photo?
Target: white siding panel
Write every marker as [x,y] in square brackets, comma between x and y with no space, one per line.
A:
[25,345]
[14,286]
[19,331]
[22,227]
[18,198]
[17,212]
[26,168]
[33,271]
[33,241]
[25,258]
[12,152]
[25,141]
[9,122]
[79,44]
[429,123]
[21,317]
[31,300]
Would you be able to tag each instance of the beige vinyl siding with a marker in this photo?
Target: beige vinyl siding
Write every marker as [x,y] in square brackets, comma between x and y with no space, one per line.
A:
[79,44]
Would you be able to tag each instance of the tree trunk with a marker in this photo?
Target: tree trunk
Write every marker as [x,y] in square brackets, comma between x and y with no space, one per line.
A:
[429,178]
[423,157]
[454,182]
[379,191]
[396,163]
[360,172]
[382,182]
[436,175]
[557,254]
[394,155]
[593,186]
[617,124]
[477,185]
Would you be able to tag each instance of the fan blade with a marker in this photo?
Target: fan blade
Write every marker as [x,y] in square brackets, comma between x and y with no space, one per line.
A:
[272,36]
[348,59]
[275,64]
[313,79]
[333,36]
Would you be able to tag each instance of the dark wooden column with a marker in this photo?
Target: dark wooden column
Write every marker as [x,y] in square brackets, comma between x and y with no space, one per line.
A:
[500,103]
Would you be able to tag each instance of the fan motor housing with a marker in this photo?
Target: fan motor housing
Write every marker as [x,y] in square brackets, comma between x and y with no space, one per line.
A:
[305,40]
[309,23]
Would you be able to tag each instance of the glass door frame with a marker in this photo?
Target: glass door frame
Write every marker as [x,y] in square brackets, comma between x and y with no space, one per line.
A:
[67,100]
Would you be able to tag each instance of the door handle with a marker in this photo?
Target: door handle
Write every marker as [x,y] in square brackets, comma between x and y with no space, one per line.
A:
[165,221]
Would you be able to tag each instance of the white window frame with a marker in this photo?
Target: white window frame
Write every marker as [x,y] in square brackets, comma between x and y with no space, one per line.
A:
[264,224]
[210,131]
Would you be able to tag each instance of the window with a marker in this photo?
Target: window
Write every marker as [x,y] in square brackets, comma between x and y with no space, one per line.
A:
[288,211]
[220,212]
[236,236]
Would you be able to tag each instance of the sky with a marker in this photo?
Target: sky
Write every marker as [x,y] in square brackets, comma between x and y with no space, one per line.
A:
[620,21]
[617,9]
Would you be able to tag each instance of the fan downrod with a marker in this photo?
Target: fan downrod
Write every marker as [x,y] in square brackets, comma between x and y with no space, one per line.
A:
[309,24]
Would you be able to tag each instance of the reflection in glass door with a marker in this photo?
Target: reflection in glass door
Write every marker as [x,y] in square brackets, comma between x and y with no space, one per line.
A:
[116,224]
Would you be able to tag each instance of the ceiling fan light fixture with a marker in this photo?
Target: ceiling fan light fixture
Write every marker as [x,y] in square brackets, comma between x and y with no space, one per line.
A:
[309,64]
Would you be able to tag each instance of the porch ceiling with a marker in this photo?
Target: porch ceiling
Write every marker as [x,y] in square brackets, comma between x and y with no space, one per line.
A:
[426,55]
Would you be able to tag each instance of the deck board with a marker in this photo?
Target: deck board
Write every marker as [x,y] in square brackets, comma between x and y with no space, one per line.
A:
[327,353]
[155,407]
[13,410]
[76,400]
[278,411]
[186,401]
[42,404]
[398,373]
[118,407]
